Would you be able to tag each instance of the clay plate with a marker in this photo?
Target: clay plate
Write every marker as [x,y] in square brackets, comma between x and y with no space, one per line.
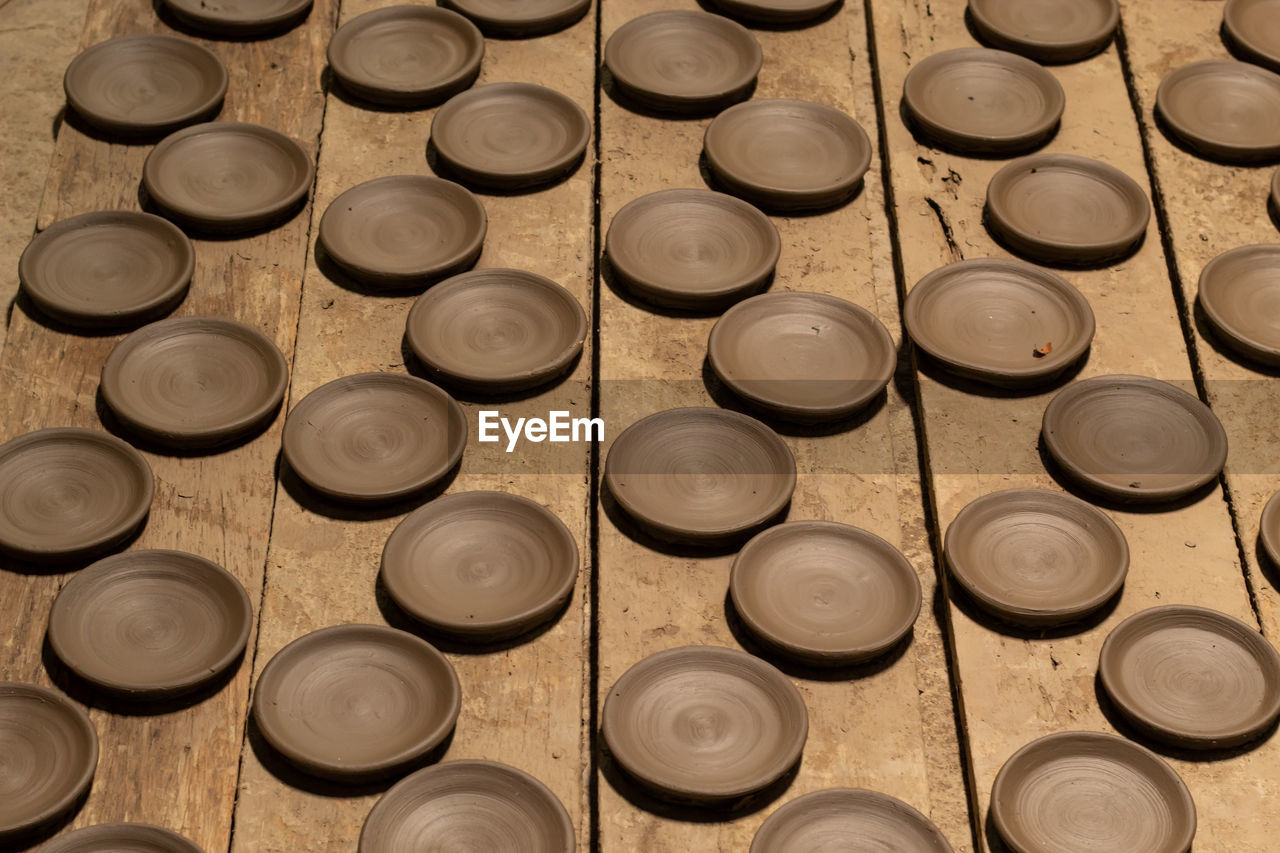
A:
[700,474]
[374,437]
[789,155]
[704,724]
[468,806]
[1269,529]
[404,230]
[145,84]
[239,18]
[1066,210]
[120,838]
[497,330]
[1252,29]
[1050,31]
[509,136]
[69,494]
[848,819]
[356,701]
[1004,322]
[1036,558]
[1134,439]
[1091,791]
[150,623]
[227,176]
[406,56]
[50,751]
[1239,292]
[682,60]
[804,357]
[692,249]
[107,269]
[1223,110]
[523,19]
[774,11]
[484,565]
[980,101]
[194,382]
[824,593]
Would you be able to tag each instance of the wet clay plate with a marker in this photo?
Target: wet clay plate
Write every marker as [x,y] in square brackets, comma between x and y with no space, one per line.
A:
[848,819]
[704,724]
[1239,292]
[239,18]
[1252,29]
[1223,110]
[523,19]
[356,701]
[468,806]
[1050,31]
[120,838]
[774,11]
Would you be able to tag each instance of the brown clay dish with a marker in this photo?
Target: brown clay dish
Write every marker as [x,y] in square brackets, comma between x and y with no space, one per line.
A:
[1239,292]
[374,437]
[468,806]
[524,19]
[1134,439]
[700,474]
[239,18]
[108,269]
[824,593]
[1223,110]
[850,819]
[692,249]
[150,623]
[1275,192]
[704,724]
[1269,529]
[404,230]
[774,11]
[497,330]
[805,357]
[1251,28]
[356,701]
[120,838]
[1049,31]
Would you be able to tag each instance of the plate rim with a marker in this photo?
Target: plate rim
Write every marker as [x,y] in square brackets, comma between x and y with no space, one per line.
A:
[851,796]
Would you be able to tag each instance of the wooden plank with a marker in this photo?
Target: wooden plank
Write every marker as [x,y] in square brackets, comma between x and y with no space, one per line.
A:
[890,729]
[523,705]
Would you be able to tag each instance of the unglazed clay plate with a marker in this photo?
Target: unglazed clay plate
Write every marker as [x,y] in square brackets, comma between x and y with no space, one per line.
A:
[848,819]
[374,437]
[150,623]
[1003,322]
[145,84]
[1252,29]
[406,56]
[1239,292]
[520,19]
[774,11]
[109,268]
[700,474]
[1269,529]
[1091,791]
[784,154]
[1036,558]
[976,100]
[468,806]
[356,701]
[1223,110]
[704,723]
[120,838]
[805,357]
[239,18]
[497,330]
[1134,439]
[1047,31]
[824,593]
[404,230]
[687,248]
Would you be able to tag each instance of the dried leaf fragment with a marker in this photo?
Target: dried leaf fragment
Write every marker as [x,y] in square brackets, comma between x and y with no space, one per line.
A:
[1041,352]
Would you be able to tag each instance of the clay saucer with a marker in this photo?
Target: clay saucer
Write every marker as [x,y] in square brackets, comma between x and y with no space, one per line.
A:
[1223,109]
[509,136]
[788,155]
[804,357]
[481,565]
[692,249]
[824,593]
[1036,558]
[120,838]
[848,819]
[374,437]
[700,474]
[145,84]
[680,60]
[1066,210]
[227,176]
[109,268]
[356,701]
[195,382]
[775,11]
[1134,439]
[1239,292]
[981,101]
[468,806]
[1004,322]
[704,724]
[404,230]
[1051,31]
[69,494]
[1252,29]
[239,18]
[406,56]
[150,623]
[1269,529]
[50,751]
[523,19]
[497,330]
